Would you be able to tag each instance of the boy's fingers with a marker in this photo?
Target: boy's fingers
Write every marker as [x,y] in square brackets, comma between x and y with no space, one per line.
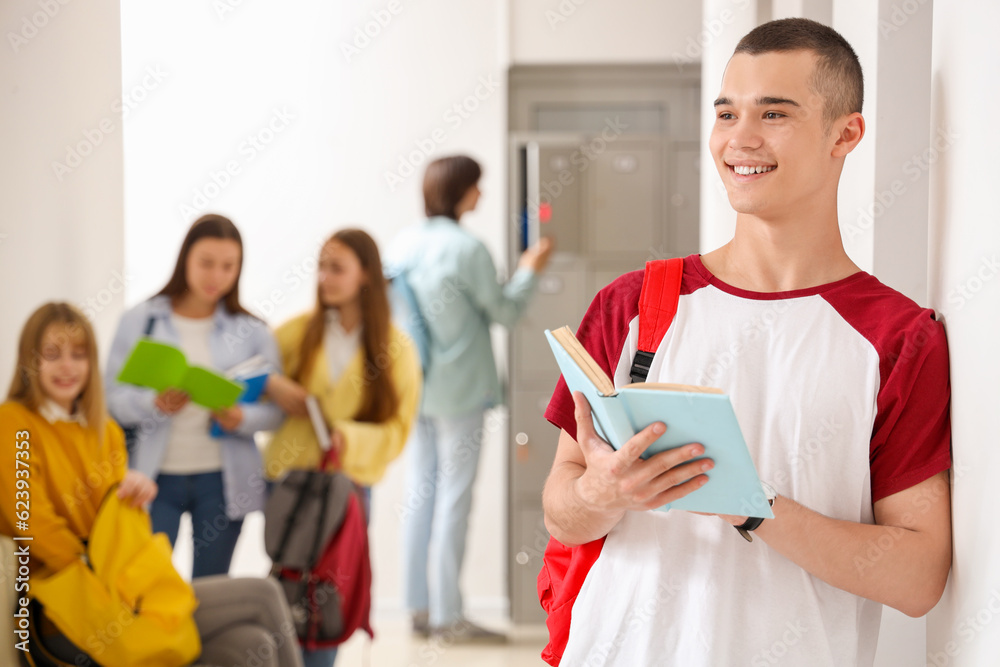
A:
[639,443]
[586,435]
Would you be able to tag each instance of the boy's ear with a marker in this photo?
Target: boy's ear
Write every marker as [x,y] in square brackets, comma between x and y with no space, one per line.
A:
[849,131]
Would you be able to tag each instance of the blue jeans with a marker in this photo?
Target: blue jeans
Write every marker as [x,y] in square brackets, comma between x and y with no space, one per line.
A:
[323,657]
[215,534]
[442,461]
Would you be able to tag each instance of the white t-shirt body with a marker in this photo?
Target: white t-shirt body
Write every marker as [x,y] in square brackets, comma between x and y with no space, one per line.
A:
[841,394]
[190,448]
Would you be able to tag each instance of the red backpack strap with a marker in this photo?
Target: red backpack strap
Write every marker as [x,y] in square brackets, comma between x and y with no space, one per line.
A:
[564,569]
[661,290]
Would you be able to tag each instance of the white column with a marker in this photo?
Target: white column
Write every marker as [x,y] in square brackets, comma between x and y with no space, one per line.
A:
[724,22]
[964,629]
[61,173]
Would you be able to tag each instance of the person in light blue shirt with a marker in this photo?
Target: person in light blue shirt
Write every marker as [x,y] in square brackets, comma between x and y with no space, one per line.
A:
[454,282]
[218,479]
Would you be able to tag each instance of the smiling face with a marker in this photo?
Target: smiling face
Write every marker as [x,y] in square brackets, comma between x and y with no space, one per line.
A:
[341,275]
[776,155]
[63,364]
[213,267]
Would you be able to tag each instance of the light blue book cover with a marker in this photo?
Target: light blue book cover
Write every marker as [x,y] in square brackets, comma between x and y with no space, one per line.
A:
[691,416]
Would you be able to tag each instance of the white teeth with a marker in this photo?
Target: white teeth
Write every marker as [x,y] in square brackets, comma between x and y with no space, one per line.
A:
[746,170]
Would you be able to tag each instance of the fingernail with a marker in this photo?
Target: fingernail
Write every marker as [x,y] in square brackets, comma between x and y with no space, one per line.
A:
[696,450]
[707,465]
[659,428]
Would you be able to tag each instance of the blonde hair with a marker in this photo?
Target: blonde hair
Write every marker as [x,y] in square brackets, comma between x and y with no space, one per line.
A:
[25,388]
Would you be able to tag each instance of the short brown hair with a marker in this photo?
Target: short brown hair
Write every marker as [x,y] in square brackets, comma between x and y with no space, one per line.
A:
[446,181]
[838,76]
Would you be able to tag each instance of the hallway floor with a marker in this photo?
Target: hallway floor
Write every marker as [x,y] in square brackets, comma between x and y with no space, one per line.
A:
[395,646]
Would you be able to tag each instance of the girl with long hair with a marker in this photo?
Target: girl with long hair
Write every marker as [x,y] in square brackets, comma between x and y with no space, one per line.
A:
[361,368]
[218,480]
[71,455]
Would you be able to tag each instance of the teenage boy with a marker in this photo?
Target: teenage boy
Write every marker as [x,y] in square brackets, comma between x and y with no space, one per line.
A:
[840,385]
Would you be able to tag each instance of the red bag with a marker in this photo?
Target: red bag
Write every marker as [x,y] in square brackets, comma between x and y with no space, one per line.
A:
[564,569]
[315,533]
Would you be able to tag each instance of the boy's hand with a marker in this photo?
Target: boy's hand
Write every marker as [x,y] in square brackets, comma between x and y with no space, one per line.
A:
[137,487]
[616,481]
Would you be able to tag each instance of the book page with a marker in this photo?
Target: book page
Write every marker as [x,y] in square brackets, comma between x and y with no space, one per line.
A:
[579,354]
[667,386]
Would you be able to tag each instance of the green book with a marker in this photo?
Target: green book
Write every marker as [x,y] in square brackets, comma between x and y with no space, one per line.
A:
[162,366]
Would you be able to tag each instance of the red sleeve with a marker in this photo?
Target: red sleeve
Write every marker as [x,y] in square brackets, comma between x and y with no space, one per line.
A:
[603,333]
[911,437]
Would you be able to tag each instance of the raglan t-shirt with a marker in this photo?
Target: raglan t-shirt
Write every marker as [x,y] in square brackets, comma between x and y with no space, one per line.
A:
[842,394]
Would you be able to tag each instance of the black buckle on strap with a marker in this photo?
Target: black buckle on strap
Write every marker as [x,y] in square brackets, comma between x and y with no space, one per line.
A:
[640,366]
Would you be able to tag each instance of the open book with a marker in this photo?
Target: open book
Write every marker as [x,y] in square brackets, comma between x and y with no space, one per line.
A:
[692,414]
[252,374]
[160,366]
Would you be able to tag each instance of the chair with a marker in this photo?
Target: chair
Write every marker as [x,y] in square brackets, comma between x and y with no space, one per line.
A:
[8,573]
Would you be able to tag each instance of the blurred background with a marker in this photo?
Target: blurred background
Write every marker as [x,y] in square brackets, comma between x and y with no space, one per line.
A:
[122,123]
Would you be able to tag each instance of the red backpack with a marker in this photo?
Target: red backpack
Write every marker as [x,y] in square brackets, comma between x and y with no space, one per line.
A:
[315,534]
[564,568]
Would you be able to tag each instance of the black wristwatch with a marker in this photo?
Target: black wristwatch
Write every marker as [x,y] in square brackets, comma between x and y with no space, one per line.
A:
[753,523]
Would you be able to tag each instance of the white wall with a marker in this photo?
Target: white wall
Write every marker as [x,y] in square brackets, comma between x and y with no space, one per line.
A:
[596,31]
[61,173]
[371,89]
[363,107]
[964,630]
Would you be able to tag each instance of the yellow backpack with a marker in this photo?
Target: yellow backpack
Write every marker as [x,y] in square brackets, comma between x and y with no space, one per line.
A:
[130,607]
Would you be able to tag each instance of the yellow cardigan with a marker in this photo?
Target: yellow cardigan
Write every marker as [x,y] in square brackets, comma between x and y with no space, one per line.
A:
[368,447]
[68,474]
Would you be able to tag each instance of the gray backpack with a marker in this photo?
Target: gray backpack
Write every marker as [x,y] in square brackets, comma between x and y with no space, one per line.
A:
[316,537]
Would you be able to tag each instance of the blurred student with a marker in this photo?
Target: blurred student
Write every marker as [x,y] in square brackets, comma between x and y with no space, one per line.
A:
[361,368]
[455,284]
[76,455]
[218,480]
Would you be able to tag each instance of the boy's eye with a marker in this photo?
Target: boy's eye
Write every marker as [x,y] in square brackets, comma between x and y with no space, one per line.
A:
[725,115]
[771,115]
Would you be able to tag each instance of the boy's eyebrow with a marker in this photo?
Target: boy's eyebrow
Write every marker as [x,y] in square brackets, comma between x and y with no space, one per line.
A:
[761,101]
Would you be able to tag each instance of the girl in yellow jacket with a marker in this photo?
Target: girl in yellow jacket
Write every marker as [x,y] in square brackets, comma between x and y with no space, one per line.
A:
[62,454]
[361,368]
